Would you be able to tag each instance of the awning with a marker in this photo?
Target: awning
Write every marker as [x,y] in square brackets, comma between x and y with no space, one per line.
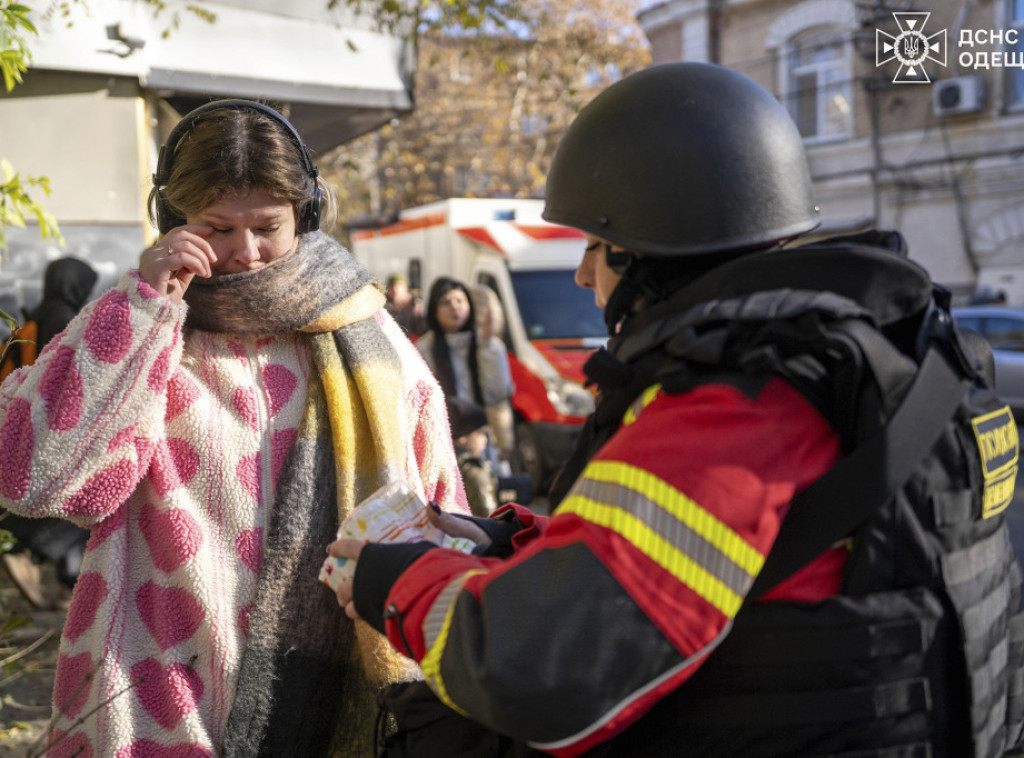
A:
[340,76]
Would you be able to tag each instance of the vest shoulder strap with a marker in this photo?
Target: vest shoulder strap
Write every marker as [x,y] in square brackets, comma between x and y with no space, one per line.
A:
[835,505]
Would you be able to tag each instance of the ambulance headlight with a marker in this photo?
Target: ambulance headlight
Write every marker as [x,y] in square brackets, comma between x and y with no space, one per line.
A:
[569,398]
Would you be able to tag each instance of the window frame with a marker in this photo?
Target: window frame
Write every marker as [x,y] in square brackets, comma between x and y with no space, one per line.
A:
[1013,78]
[842,64]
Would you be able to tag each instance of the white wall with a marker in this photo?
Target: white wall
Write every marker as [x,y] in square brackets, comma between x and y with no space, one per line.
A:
[87,143]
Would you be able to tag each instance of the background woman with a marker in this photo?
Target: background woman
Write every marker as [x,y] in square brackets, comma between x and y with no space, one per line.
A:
[211,418]
[468,364]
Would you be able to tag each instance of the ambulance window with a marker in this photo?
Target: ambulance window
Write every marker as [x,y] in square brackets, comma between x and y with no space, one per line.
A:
[554,307]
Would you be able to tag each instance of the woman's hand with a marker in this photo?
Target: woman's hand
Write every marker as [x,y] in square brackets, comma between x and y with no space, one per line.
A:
[184,252]
[453,526]
[345,548]
[441,523]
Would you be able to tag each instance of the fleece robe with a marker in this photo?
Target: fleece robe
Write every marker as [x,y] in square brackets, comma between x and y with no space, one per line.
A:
[167,444]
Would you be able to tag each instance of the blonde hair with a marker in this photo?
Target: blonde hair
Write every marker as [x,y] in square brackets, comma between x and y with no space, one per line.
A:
[234,151]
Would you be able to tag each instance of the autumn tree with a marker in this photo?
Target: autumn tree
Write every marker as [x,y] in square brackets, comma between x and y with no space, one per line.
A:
[491,107]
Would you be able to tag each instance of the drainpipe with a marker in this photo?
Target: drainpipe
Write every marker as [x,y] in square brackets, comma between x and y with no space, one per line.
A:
[715,30]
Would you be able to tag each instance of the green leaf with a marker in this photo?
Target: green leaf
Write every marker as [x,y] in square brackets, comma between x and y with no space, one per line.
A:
[12,622]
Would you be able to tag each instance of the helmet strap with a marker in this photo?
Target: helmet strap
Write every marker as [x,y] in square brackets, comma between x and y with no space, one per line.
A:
[623,300]
[617,260]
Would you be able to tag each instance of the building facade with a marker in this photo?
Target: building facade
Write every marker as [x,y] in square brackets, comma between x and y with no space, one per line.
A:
[913,119]
[108,82]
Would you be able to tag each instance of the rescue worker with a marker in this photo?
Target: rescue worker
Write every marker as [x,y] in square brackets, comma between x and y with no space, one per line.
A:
[782,532]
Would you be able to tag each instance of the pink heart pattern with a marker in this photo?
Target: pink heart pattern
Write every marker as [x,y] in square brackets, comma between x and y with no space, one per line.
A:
[171,614]
[109,332]
[249,547]
[60,745]
[123,437]
[280,443]
[280,382]
[62,391]
[250,467]
[181,393]
[168,693]
[72,682]
[156,379]
[244,401]
[150,749]
[249,473]
[103,492]
[17,439]
[173,536]
[90,592]
[173,465]
[105,528]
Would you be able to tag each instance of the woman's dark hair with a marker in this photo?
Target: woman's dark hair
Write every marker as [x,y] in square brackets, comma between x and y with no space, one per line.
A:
[442,357]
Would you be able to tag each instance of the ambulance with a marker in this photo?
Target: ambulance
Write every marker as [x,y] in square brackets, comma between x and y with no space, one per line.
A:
[551,325]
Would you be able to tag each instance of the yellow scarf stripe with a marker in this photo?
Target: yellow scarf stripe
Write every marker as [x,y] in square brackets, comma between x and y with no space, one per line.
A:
[349,423]
[358,306]
[436,626]
[378,386]
[646,398]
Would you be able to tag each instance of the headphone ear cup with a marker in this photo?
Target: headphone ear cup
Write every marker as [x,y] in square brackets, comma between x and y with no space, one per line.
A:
[309,218]
[166,218]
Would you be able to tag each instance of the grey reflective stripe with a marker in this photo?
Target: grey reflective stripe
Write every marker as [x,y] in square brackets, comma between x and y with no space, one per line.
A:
[433,622]
[670,528]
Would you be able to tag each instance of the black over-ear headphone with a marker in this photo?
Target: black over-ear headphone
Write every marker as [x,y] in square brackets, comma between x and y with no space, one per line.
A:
[166,219]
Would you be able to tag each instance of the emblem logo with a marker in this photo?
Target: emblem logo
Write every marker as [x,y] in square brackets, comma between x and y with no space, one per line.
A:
[911,47]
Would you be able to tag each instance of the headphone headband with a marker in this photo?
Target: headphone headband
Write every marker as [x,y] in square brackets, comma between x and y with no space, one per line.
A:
[309,217]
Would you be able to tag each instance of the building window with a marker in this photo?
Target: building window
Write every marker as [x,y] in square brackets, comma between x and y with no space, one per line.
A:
[818,82]
[1014,75]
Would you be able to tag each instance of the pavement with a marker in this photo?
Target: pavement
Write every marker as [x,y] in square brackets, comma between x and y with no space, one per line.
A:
[29,641]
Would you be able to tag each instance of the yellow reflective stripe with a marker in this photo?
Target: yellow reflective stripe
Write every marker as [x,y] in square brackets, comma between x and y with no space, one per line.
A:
[679,505]
[645,399]
[660,551]
[670,528]
[436,626]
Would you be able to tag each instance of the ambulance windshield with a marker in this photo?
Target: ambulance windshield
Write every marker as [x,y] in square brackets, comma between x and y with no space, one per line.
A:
[553,307]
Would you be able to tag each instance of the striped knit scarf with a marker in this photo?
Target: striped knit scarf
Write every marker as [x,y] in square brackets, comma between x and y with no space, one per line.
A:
[304,689]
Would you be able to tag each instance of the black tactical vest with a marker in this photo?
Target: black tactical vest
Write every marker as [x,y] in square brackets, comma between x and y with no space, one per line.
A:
[922,653]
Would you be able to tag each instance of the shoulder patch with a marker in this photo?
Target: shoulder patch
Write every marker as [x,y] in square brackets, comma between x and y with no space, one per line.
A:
[998,442]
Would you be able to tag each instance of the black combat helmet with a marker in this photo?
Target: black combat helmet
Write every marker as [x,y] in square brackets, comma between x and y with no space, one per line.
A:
[683,159]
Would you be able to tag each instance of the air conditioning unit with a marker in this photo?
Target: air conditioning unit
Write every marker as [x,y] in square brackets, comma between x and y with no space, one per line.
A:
[962,94]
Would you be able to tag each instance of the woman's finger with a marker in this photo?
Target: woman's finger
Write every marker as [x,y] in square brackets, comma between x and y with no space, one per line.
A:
[454,526]
[346,548]
[344,593]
